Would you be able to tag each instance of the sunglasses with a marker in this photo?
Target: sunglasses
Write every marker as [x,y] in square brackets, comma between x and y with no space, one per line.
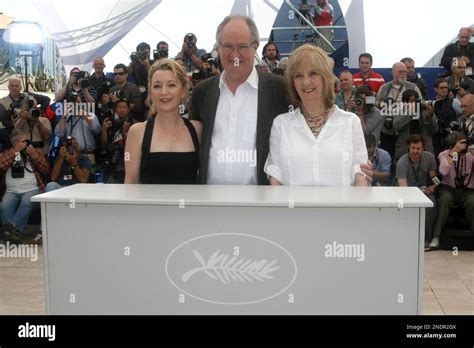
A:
[119,73]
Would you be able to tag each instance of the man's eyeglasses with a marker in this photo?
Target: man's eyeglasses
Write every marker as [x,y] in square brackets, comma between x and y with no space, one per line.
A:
[242,48]
[119,73]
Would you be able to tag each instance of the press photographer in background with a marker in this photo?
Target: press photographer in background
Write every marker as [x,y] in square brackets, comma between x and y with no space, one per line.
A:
[161,52]
[37,127]
[100,82]
[381,162]
[458,77]
[466,120]
[190,54]
[82,125]
[78,84]
[345,98]
[23,171]
[71,167]
[16,100]
[369,115]
[138,68]
[414,119]
[127,90]
[443,109]
[417,168]
[113,138]
[457,187]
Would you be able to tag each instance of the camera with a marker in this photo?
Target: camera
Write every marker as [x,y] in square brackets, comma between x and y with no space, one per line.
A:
[359,102]
[210,58]
[105,87]
[35,113]
[73,98]
[158,54]
[83,77]
[107,113]
[189,40]
[68,145]
[18,170]
[137,56]
[35,144]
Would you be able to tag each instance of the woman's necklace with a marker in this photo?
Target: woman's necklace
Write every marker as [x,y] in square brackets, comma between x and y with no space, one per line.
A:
[316,122]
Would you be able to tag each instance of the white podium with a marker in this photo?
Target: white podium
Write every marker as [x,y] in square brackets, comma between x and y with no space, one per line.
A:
[157,249]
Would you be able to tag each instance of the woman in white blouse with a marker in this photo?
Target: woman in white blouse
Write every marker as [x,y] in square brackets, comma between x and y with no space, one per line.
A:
[317,143]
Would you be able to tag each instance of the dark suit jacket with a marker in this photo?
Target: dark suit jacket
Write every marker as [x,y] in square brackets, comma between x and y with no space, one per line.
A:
[272,101]
[453,50]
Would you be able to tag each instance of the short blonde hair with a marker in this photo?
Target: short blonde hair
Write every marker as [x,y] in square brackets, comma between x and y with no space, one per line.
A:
[314,57]
[176,69]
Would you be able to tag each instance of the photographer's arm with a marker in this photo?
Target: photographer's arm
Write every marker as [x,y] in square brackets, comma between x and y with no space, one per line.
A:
[89,98]
[197,61]
[7,158]
[44,129]
[61,95]
[39,161]
[104,136]
[58,164]
[431,121]
[60,127]
[81,173]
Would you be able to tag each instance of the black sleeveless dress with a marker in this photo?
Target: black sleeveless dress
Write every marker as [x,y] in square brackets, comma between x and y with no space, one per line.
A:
[179,168]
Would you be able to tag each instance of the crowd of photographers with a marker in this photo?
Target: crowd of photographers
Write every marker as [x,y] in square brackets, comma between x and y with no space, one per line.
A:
[80,138]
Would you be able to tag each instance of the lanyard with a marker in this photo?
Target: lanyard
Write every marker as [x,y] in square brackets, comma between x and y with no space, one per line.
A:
[416,171]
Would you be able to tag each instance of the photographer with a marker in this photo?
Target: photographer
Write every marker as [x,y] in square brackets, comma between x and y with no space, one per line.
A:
[345,98]
[162,51]
[458,77]
[417,168]
[113,137]
[415,78]
[16,101]
[139,66]
[389,99]
[190,54]
[71,167]
[381,162]
[457,187]
[23,171]
[98,80]
[466,121]
[443,109]
[81,125]
[461,48]
[271,55]
[414,120]
[370,118]
[125,89]
[78,84]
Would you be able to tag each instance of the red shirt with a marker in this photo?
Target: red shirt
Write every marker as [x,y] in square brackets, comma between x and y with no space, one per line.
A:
[374,81]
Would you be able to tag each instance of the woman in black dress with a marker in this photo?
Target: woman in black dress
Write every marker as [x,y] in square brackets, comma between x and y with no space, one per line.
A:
[165,148]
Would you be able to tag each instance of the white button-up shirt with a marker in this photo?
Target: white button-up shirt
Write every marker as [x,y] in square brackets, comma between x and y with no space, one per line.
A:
[332,159]
[233,152]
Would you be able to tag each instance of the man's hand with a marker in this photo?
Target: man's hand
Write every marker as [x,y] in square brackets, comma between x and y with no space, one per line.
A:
[187,50]
[351,105]
[63,152]
[368,171]
[460,146]
[106,124]
[466,59]
[24,114]
[20,146]
[32,152]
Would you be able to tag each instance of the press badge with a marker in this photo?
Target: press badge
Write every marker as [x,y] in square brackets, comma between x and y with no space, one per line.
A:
[67,177]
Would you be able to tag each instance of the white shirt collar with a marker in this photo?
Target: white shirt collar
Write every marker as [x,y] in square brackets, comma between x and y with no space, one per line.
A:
[252,80]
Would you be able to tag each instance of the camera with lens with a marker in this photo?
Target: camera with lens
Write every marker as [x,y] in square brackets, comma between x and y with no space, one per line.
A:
[35,144]
[73,98]
[83,77]
[189,40]
[359,102]
[210,58]
[108,113]
[137,56]
[158,54]
[120,94]
[18,170]
[67,143]
[105,87]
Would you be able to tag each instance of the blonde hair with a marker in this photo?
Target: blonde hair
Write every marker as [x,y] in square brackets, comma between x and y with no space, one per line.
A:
[317,58]
[176,69]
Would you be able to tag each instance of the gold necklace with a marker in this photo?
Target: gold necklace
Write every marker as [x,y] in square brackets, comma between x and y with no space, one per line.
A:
[316,122]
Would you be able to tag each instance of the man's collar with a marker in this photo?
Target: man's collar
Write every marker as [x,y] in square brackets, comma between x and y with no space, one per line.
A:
[252,79]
